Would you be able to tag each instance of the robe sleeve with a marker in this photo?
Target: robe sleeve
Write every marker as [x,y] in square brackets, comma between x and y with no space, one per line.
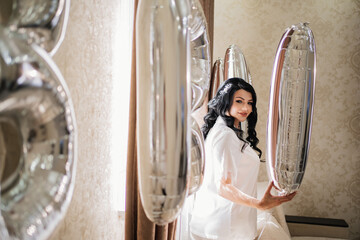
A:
[227,152]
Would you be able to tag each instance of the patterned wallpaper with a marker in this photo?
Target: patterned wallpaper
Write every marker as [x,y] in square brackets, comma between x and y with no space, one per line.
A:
[331,185]
[86,60]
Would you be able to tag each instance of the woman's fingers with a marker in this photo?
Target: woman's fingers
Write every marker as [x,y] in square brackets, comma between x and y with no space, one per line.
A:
[226,180]
[285,198]
[269,201]
[292,195]
[275,186]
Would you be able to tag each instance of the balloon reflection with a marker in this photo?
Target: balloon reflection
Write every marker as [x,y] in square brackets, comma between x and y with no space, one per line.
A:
[42,22]
[291,107]
[217,77]
[197,158]
[200,55]
[163,106]
[38,126]
[235,64]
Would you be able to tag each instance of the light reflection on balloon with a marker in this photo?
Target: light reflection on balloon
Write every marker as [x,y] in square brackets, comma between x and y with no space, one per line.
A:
[235,64]
[200,55]
[217,77]
[291,108]
[197,158]
[38,123]
[200,83]
[163,106]
[200,78]
[42,22]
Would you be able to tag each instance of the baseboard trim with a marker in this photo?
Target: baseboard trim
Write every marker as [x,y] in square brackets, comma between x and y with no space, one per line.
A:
[317,227]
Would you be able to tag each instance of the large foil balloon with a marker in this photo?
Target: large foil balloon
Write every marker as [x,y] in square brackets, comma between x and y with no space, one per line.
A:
[200,78]
[38,127]
[163,106]
[200,55]
[217,77]
[291,108]
[197,157]
[42,22]
[235,64]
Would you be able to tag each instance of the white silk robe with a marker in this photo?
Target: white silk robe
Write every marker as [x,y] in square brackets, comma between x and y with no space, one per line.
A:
[213,216]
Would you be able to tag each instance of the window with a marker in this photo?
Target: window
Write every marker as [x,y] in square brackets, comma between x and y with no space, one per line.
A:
[121,71]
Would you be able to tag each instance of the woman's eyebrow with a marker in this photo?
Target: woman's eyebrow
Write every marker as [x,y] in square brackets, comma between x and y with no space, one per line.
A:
[240,98]
[244,99]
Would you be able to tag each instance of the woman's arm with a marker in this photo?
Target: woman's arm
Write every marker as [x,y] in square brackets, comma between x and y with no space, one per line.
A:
[230,192]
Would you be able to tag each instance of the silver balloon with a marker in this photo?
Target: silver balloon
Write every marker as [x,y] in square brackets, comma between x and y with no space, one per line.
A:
[217,77]
[42,22]
[38,127]
[200,55]
[163,106]
[235,64]
[197,158]
[291,108]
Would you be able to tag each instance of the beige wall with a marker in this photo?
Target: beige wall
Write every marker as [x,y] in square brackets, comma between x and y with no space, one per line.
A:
[86,60]
[331,186]
[332,179]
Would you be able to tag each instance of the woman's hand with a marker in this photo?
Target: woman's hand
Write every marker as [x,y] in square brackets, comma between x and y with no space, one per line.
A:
[269,201]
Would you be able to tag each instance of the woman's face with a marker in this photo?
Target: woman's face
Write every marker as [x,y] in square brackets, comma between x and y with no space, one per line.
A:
[241,106]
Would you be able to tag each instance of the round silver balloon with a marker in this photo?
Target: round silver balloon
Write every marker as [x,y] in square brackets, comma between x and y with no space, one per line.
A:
[197,157]
[291,108]
[38,127]
[200,55]
[42,22]
[163,106]
[217,77]
[235,64]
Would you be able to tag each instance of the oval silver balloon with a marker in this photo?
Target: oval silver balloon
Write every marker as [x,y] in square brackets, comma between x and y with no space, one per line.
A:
[291,108]
[42,22]
[217,77]
[197,157]
[163,106]
[38,124]
[235,64]
[200,55]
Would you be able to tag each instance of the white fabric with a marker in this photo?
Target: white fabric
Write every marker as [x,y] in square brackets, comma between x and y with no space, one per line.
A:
[213,216]
[272,230]
[275,225]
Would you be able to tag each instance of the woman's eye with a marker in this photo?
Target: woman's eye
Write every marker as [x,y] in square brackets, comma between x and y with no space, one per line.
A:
[238,101]
[250,103]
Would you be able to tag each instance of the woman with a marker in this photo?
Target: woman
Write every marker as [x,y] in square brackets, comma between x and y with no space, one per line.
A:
[225,206]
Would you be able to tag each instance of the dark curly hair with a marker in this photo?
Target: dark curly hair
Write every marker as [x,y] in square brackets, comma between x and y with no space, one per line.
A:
[221,103]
